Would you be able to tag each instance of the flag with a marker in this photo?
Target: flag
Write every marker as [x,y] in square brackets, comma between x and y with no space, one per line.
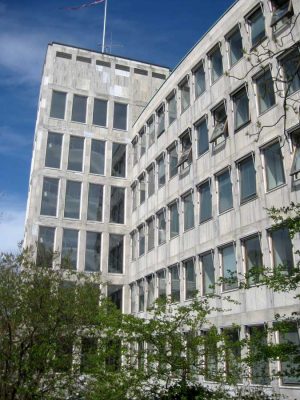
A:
[93,3]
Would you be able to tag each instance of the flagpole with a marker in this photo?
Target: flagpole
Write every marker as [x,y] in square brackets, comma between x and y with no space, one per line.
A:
[104,27]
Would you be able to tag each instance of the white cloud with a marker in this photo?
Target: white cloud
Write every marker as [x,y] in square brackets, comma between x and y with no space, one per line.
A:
[11,229]
[14,144]
[12,217]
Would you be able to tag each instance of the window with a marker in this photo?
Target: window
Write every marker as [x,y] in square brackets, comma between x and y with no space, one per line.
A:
[75,153]
[63,354]
[224,191]
[253,258]
[141,240]
[115,256]
[45,246]
[199,76]
[141,287]
[282,11]
[235,47]
[88,356]
[117,204]
[92,251]
[143,141]
[133,245]
[282,249]
[241,108]
[173,161]
[273,166]
[95,201]
[69,249]
[186,157]
[175,283]
[185,95]
[260,373]
[161,171]
[151,132]
[247,179]
[202,137]
[151,181]
[174,219]
[79,108]
[172,108]
[216,64]
[49,196]
[228,262]
[53,151]
[220,131]
[72,200]
[188,207]
[118,160]
[100,112]
[133,194]
[160,120]
[290,365]
[232,353]
[142,188]
[256,22]
[295,169]
[120,116]
[135,151]
[208,273]
[133,298]
[162,284]
[97,157]
[291,71]
[211,354]
[205,201]
[161,219]
[150,296]
[58,105]
[265,91]
[115,295]
[190,279]
[151,233]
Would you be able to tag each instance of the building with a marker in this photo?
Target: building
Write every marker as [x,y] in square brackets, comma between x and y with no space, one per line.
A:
[162,180]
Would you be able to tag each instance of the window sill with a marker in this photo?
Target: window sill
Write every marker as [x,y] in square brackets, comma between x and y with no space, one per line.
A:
[95,174]
[236,63]
[118,177]
[174,237]
[58,119]
[246,201]
[254,46]
[100,126]
[160,133]
[149,250]
[183,111]
[205,220]
[226,211]
[79,122]
[242,126]
[203,154]
[225,291]
[189,229]
[120,129]
[173,176]
[267,110]
[162,186]
[48,216]
[53,168]
[275,188]
[171,123]
[199,95]
[161,244]
[71,218]
[92,221]
[213,82]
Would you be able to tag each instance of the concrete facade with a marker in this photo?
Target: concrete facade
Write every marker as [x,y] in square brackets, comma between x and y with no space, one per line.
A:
[241,172]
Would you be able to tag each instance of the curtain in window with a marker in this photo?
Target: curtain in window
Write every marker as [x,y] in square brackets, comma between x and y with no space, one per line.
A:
[190,279]
[175,283]
[229,267]
[208,273]
[188,212]
[205,202]
[225,192]
[282,248]
[274,166]
[247,179]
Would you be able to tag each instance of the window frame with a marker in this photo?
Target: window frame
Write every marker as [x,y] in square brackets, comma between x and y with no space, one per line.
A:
[77,96]
[213,52]
[63,115]
[249,23]
[185,94]
[217,176]
[96,99]
[220,132]
[200,67]
[271,99]
[228,38]
[160,117]
[125,105]
[252,281]
[161,214]
[228,286]
[170,206]
[170,98]
[241,179]
[263,150]
[208,182]
[186,226]
[197,126]
[235,98]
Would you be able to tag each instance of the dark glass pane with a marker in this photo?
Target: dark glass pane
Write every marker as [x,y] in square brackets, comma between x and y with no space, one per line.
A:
[53,151]
[100,112]
[58,105]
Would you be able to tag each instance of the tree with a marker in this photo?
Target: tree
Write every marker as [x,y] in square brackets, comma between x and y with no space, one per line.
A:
[59,338]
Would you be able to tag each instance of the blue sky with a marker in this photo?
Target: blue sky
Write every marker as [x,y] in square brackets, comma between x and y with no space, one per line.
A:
[158,31]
